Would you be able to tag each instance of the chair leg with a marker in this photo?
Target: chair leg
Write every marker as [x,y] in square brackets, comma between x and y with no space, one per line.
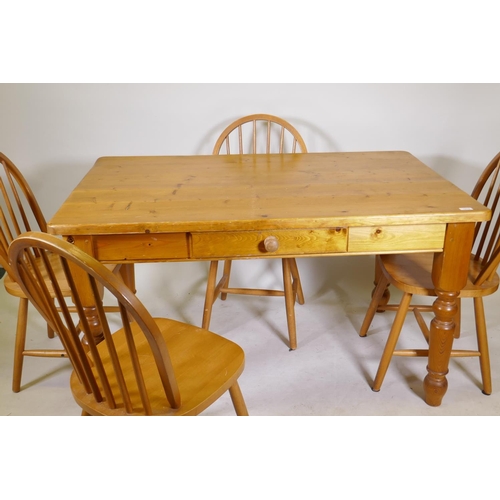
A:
[50,333]
[392,341]
[422,324]
[226,272]
[386,295]
[289,303]
[296,281]
[482,341]
[372,308]
[22,321]
[209,294]
[238,401]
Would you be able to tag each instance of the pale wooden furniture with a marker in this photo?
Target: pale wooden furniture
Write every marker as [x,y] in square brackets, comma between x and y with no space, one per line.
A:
[183,208]
[20,212]
[412,274]
[148,366]
[259,134]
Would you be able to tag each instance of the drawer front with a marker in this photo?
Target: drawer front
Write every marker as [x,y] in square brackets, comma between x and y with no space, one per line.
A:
[269,243]
[396,238]
[141,247]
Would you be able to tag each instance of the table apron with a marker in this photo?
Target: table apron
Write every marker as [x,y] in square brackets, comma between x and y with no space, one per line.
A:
[207,245]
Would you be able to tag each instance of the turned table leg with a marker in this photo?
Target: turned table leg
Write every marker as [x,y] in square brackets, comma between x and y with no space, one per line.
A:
[85,292]
[449,275]
[441,341]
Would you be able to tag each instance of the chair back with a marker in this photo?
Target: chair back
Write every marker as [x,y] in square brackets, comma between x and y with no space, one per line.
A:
[19,210]
[112,374]
[260,133]
[486,247]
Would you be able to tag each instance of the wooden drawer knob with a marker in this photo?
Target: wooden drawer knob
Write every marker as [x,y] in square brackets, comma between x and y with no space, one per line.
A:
[271,244]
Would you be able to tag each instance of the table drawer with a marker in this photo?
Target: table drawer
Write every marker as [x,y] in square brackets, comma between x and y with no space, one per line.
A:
[396,238]
[269,243]
[141,247]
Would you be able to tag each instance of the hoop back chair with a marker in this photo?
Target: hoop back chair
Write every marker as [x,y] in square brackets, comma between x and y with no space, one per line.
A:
[19,213]
[148,366]
[259,134]
[411,274]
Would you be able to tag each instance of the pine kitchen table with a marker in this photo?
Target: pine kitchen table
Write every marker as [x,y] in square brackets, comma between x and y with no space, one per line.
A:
[182,208]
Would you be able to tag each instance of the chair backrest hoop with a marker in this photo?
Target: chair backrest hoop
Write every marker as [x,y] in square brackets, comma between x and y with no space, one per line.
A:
[19,209]
[297,141]
[487,234]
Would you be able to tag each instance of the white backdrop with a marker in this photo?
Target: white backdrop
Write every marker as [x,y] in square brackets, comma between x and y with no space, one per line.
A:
[55,132]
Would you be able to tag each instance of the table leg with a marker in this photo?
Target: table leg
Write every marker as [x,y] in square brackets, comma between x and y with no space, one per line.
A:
[127,273]
[85,292]
[449,275]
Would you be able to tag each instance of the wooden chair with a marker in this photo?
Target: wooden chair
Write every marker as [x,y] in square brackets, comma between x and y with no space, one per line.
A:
[20,212]
[258,134]
[411,274]
[147,366]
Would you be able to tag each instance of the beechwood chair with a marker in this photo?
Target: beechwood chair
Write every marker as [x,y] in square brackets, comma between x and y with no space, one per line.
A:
[259,134]
[19,213]
[411,274]
[147,366]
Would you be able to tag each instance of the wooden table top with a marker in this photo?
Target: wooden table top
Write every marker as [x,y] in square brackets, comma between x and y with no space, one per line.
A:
[257,192]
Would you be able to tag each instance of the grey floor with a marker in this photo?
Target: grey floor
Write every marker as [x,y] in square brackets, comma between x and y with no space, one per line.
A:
[329,374]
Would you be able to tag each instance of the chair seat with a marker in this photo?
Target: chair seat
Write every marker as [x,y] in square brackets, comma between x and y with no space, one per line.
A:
[412,273]
[14,289]
[205,365]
